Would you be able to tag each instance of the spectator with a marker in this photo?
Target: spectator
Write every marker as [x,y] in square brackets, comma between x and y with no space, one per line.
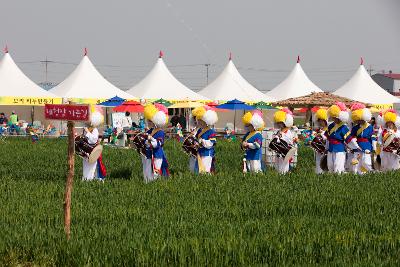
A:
[3,119]
[141,123]
[14,118]
[182,120]
[174,120]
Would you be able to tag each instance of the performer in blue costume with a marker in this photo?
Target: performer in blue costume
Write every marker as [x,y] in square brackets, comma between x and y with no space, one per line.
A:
[339,137]
[252,141]
[155,162]
[363,134]
[206,135]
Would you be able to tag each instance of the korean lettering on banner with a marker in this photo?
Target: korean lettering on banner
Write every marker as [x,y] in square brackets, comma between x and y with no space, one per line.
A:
[67,112]
[32,101]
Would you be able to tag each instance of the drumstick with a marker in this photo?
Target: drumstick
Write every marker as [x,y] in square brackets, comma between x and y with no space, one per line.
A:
[244,165]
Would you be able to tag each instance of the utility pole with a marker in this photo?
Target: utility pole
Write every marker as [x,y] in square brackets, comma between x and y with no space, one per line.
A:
[46,62]
[370,70]
[207,67]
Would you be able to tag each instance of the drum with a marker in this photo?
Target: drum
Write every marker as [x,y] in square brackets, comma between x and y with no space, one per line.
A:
[318,144]
[282,148]
[324,163]
[392,144]
[138,142]
[191,145]
[87,151]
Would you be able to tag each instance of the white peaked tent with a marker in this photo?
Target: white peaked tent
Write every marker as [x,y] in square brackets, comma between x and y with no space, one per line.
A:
[14,83]
[295,85]
[362,88]
[230,85]
[87,83]
[160,83]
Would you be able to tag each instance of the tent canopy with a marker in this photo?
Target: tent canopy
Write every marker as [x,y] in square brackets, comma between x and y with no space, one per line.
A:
[362,88]
[236,104]
[112,102]
[160,83]
[86,82]
[14,83]
[295,85]
[230,84]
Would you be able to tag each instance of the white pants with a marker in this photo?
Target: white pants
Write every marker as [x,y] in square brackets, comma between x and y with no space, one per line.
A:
[148,173]
[89,170]
[207,160]
[281,166]
[336,161]
[389,161]
[253,165]
[364,163]
[318,158]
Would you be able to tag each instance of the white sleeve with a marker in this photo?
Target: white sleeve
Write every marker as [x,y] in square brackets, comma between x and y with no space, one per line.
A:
[207,144]
[93,136]
[254,145]
[353,144]
[153,142]
[288,137]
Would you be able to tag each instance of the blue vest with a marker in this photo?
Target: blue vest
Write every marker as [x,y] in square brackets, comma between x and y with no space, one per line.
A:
[365,138]
[207,134]
[338,138]
[157,152]
[254,154]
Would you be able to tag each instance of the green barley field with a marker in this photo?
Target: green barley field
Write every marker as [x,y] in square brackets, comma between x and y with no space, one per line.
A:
[229,219]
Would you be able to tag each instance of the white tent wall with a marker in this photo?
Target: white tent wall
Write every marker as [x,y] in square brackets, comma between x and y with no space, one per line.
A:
[228,117]
[295,84]
[361,87]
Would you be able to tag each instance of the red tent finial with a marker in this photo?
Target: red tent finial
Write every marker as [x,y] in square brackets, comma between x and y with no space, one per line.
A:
[85,51]
[230,55]
[362,61]
[298,59]
[161,54]
[5,49]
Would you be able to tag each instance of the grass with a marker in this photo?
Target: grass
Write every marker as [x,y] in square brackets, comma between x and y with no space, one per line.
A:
[222,220]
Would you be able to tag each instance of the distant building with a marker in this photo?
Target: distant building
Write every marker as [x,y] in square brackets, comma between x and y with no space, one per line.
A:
[388,81]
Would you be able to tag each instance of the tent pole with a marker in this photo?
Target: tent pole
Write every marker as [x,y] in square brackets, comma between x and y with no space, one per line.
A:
[32,113]
[234,122]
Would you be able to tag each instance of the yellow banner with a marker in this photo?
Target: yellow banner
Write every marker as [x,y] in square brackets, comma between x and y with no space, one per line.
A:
[91,101]
[28,101]
[379,107]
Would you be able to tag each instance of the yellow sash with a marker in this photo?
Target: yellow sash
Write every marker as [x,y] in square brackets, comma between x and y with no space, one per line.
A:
[154,131]
[203,132]
[334,128]
[362,128]
[251,135]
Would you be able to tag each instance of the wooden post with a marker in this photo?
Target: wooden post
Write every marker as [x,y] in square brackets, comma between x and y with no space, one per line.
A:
[70,178]
[308,115]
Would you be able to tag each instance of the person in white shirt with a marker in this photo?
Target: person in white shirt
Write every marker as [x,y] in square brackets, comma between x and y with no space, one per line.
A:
[390,122]
[284,121]
[92,135]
